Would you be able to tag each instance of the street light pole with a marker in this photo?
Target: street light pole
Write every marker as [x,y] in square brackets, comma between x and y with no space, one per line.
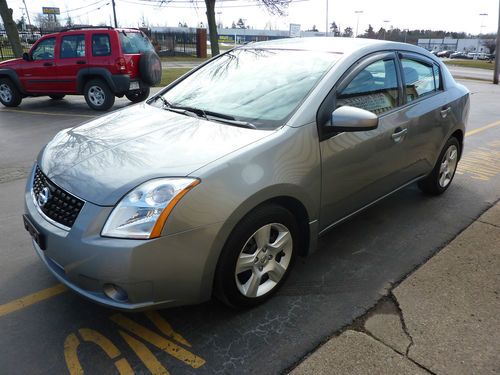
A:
[326,29]
[358,12]
[479,36]
[385,28]
[497,61]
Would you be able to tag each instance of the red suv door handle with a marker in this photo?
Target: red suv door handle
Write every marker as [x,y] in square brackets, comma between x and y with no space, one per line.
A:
[48,64]
[81,62]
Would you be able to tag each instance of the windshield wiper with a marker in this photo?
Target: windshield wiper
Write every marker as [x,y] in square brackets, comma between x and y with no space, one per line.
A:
[241,124]
[167,105]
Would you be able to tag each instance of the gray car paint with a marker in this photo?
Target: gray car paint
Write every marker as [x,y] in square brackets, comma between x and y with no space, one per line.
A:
[322,182]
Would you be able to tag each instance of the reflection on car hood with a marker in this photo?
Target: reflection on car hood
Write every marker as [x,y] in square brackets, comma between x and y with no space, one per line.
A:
[105,158]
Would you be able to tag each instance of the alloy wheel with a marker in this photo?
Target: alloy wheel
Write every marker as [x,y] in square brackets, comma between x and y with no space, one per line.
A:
[97,96]
[448,166]
[5,93]
[264,260]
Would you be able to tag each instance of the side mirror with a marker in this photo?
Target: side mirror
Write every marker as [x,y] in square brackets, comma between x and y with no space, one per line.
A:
[352,119]
[26,57]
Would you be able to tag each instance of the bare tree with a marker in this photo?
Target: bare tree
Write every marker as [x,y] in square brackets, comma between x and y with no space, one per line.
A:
[10,28]
[490,44]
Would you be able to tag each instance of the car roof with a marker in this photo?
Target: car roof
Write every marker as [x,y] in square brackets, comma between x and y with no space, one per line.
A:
[335,45]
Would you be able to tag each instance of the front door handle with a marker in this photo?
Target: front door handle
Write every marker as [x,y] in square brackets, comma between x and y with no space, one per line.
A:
[445,111]
[399,134]
[48,64]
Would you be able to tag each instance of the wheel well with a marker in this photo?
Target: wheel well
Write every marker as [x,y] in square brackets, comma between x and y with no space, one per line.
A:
[459,135]
[299,211]
[88,78]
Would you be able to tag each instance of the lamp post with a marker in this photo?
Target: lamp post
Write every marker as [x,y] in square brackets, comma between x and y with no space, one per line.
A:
[326,29]
[385,28]
[358,12]
[479,36]
[497,61]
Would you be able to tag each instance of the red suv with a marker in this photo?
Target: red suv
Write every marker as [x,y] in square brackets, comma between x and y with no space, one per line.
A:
[98,62]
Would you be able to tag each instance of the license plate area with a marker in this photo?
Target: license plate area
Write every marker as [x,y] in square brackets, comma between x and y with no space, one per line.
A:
[134,85]
[35,234]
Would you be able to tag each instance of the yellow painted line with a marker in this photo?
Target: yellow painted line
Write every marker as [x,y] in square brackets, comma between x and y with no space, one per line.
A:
[103,342]
[71,355]
[145,355]
[483,128]
[47,113]
[161,343]
[165,327]
[124,367]
[31,299]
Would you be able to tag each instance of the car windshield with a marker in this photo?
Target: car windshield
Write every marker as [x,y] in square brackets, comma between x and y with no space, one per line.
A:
[135,42]
[258,86]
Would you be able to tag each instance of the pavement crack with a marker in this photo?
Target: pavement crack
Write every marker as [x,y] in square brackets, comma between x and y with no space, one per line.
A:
[402,320]
[488,223]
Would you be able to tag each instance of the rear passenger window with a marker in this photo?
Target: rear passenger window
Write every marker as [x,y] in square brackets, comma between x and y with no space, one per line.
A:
[101,45]
[374,89]
[419,79]
[72,46]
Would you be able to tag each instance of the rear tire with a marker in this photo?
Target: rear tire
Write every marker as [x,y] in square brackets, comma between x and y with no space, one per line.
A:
[98,95]
[10,96]
[441,176]
[137,96]
[257,257]
[56,97]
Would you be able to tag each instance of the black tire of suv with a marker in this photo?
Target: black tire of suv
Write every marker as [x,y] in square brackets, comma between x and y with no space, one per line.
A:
[15,97]
[150,68]
[56,97]
[137,96]
[101,86]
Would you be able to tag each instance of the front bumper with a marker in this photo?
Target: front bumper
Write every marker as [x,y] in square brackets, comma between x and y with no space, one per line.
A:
[164,272]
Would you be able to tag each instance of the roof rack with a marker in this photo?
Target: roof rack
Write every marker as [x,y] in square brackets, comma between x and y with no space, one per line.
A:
[86,27]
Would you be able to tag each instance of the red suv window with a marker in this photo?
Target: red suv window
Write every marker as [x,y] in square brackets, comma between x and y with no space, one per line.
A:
[101,45]
[72,46]
[44,49]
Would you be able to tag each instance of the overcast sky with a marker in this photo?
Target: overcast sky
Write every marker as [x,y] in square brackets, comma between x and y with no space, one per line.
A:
[451,15]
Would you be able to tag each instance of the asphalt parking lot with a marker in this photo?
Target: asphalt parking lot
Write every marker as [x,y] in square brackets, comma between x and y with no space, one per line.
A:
[49,330]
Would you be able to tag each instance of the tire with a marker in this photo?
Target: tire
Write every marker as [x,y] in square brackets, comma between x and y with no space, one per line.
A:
[98,95]
[245,284]
[56,97]
[137,96]
[150,68]
[10,96]
[441,176]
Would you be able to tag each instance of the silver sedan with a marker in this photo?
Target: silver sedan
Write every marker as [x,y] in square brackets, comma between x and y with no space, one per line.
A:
[216,184]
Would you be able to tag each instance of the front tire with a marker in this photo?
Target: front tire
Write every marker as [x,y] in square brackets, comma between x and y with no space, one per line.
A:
[98,95]
[441,176]
[257,257]
[137,96]
[10,96]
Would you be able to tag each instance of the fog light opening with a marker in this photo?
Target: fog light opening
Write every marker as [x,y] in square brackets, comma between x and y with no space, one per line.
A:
[115,292]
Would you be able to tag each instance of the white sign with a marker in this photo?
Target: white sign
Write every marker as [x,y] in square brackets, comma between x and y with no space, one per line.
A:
[294,30]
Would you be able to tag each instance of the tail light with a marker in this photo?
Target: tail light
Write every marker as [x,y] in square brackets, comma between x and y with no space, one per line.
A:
[121,64]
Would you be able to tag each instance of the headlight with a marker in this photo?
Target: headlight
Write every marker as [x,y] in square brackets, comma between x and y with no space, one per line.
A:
[143,212]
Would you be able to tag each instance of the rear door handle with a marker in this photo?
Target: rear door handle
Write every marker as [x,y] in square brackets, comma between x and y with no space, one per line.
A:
[48,64]
[445,111]
[81,62]
[399,134]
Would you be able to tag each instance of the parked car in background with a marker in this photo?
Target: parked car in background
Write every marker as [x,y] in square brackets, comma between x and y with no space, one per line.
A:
[458,55]
[217,183]
[445,53]
[96,62]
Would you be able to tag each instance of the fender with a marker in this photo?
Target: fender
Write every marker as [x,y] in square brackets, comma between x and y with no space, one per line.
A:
[118,83]
[12,75]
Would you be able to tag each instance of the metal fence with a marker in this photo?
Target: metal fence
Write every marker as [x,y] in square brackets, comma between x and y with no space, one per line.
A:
[27,41]
[174,43]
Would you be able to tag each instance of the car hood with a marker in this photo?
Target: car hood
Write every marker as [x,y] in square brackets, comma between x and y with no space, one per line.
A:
[10,63]
[104,159]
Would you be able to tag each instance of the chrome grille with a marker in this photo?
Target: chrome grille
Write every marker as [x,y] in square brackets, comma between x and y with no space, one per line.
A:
[61,206]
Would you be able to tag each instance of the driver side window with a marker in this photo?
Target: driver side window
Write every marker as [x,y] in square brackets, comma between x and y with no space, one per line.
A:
[374,89]
[44,50]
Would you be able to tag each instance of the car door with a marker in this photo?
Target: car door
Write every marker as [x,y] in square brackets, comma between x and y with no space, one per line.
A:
[360,167]
[72,59]
[39,75]
[427,108]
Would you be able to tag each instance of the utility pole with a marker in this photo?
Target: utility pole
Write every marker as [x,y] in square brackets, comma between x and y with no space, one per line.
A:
[497,60]
[326,30]
[114,12]
[27,13]
[358,13]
